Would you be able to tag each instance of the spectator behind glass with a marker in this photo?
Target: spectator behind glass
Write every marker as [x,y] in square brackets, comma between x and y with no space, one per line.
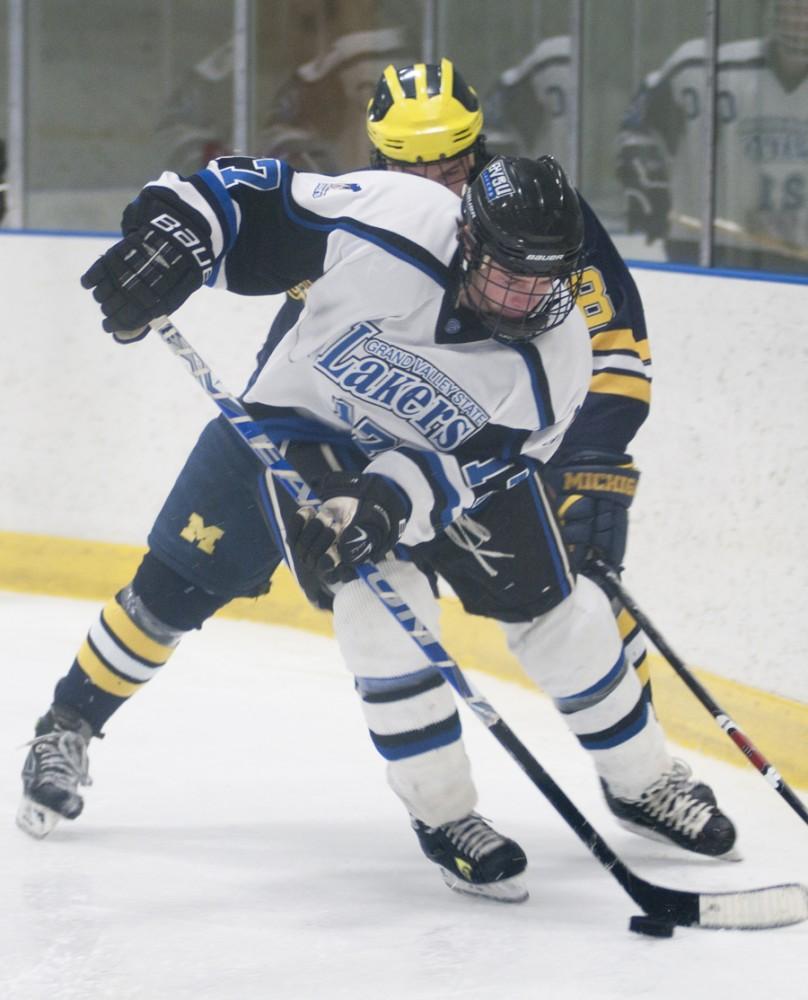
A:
[527,111]
[316,120]
[762,149]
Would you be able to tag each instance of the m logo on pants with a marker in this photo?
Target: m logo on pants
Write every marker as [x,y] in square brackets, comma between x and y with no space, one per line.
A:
[198,533]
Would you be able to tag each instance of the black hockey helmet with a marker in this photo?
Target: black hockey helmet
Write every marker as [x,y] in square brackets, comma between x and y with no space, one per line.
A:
[521,219]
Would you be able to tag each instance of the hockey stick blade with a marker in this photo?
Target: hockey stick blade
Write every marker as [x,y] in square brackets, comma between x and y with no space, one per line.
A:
[613,586]
[777,906]
[746,909]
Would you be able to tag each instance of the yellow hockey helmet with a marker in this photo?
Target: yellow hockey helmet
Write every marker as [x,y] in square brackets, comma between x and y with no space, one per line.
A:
[423,113]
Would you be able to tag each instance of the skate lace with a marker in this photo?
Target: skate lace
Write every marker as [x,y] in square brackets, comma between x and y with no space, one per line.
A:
[62,760]
[670,800]
[473,836]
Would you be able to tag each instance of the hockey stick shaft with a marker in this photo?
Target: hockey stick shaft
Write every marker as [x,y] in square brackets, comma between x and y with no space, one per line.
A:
[763,240]
[613,586]
[789,904]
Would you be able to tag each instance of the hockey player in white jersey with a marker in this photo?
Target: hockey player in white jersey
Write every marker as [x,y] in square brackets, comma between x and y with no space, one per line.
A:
[102,677]
[440,359]
[761,215]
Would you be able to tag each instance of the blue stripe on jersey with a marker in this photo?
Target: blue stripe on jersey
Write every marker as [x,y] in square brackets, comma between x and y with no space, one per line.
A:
[491,440]
[447,499]
[538,381]
[552,543]
[395,244]
[225,203]
[283,424]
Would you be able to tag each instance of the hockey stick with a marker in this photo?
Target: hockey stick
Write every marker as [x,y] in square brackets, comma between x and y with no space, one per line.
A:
[772,906]
[611,583]
[762,240]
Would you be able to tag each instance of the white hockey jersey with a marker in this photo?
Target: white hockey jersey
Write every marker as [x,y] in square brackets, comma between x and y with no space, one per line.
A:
[381,355]
[762,144]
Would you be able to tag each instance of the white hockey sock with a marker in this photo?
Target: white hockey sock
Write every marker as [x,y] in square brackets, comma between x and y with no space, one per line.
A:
[575,654]
[410,710]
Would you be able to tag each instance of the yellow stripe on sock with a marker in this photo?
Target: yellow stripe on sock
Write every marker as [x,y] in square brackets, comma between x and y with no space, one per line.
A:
[625,624]
[100,674]
[134,638]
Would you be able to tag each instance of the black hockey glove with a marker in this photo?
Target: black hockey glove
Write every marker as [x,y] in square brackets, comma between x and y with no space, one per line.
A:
[592,495]
[165,256]
[360,519]
[643,172]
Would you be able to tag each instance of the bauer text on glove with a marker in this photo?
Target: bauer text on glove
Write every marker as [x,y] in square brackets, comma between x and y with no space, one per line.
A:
[163,258]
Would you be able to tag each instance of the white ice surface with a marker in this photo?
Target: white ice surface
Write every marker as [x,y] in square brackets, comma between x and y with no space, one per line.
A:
[240,842]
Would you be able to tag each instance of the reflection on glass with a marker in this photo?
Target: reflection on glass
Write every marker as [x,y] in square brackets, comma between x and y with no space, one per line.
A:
[761,217]
[527,111]
[3,185]
[197,123]
[99,77]
[316,66]
[3,108]
[316,120]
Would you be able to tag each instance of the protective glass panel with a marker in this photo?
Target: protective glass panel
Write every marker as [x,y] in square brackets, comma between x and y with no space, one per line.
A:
[3,107]
[516,56]
[642,151]
[116,93]
[761,218]
[317,64]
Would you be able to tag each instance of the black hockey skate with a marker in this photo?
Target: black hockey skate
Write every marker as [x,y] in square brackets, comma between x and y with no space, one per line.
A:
[53,770]
[474,858]
[675,809]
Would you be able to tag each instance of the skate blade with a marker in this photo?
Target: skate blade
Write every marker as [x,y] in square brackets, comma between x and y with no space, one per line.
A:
[36,820]
[509,890]
[733,854]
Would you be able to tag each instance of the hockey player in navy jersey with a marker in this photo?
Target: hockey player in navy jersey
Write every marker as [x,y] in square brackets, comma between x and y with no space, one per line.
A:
[385,395]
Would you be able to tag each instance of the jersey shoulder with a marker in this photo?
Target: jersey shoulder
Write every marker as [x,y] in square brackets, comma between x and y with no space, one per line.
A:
[548,52]
[746,53]
[378,204]
[689,54]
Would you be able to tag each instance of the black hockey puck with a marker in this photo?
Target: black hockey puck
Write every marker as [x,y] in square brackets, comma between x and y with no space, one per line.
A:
[651,926]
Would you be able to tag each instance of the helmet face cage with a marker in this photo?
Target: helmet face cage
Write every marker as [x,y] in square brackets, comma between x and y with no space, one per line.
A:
[516,305]
[522,236]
